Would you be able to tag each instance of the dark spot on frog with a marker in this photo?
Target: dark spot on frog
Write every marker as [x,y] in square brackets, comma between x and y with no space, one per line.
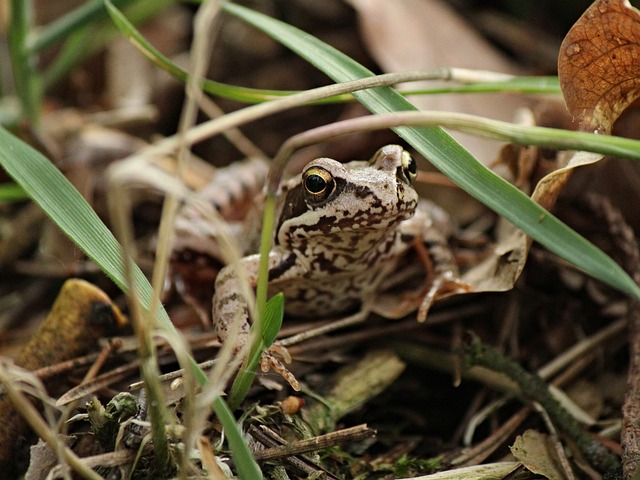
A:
[324,264]
[406,238]
[362,191]
[245,188]
[280,269]
[229,299]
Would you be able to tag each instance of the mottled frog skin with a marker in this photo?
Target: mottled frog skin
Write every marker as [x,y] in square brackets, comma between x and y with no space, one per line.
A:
[341,233]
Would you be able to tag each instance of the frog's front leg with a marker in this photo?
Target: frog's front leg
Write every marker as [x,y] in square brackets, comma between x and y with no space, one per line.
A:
[229,303]
[230,307]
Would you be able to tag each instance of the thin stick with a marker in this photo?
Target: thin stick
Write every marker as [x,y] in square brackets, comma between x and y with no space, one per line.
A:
[346,435]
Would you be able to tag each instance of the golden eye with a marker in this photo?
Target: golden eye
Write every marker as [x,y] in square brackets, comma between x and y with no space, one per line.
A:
[318,184]
[409,166]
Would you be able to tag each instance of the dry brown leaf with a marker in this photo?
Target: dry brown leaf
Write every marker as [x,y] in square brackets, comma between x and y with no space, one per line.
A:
[535,451]
[599,74]
[599,64]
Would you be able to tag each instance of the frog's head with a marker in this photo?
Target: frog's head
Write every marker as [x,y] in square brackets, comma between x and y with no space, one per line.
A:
[333,199]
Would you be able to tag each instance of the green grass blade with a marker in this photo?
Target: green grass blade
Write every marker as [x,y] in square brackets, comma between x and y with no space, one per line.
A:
[26,81]
[253,95]
[66,25]
[11,192]
[68,209]
[450,157]
[525,84]
[241,94]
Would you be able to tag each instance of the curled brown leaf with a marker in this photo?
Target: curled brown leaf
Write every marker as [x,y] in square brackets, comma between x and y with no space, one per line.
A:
[599,64]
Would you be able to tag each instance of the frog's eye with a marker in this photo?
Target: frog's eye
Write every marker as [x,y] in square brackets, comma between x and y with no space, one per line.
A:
[409,166]
[318,184]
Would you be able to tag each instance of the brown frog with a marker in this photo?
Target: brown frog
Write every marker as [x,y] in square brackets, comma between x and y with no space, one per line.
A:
[342,232]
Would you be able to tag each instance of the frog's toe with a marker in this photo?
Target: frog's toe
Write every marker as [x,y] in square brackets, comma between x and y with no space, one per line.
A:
[445,284]
[270,360]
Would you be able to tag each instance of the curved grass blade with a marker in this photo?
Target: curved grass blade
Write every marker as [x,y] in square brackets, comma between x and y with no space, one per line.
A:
[241,94]
[450,157]
[68,209]
[27,83]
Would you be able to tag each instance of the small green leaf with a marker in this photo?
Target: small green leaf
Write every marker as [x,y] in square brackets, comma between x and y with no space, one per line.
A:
[274,313]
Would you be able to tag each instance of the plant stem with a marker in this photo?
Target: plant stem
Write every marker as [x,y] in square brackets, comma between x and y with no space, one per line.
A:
[27,82]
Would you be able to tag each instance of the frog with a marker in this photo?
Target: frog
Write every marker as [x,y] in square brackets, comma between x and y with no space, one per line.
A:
[341,237]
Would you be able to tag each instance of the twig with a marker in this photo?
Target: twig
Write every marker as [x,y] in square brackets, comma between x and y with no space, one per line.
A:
[630,435]
[266,436]
[535,389]
[625,241]
[97,383]
[346,435]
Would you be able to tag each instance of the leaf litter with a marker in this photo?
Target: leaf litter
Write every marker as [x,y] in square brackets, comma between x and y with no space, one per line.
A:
[415,409]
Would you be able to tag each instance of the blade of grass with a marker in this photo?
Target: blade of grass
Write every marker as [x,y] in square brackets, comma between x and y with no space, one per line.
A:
[68,209]
[73,21]
[11,192]
[517,84]
[26,81]
[464,122]
[101,30]
[449,156]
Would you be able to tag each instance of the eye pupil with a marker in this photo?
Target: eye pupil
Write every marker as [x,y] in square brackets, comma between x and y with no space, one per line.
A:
[412,167]
[409,167]
[318,184]
[315,183]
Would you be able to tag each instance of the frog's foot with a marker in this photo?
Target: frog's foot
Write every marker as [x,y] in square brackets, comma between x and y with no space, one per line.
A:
[444,284]
[270,360]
